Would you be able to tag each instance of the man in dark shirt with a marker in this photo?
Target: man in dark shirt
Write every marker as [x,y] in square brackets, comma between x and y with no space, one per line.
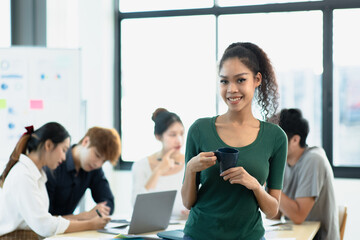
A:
[82,170]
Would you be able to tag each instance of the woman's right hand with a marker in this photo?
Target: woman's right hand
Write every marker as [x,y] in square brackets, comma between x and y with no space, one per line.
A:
[167,162]
[202,161]
[196,164]
[94,223]
[99,222]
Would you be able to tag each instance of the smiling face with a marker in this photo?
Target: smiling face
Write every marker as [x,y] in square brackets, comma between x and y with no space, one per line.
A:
[238,84]
[173,137]
[56,155]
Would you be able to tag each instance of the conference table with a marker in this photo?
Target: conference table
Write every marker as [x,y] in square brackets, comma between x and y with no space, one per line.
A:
[280,231]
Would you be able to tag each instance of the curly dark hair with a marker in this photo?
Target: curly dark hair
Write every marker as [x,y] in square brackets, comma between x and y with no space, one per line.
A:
[256,60]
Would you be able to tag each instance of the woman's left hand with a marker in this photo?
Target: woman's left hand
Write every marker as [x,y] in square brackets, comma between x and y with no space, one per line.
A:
[238,175]
[185,213]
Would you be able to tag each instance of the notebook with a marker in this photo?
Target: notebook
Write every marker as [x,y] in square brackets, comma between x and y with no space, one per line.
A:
[171,235]
[152,212]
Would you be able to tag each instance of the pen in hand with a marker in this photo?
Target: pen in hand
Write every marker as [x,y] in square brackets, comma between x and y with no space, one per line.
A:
[98,213]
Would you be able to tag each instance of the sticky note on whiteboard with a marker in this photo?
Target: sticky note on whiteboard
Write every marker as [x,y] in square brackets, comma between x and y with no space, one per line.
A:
[36,104]
[2,103]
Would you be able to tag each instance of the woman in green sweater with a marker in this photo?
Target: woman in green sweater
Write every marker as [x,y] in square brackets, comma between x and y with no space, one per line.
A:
[227,205]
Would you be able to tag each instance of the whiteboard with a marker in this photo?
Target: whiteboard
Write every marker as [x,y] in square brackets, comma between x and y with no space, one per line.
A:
[38,85]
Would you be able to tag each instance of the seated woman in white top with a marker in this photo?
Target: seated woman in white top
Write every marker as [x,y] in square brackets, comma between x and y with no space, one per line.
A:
[24,201]
[163,170]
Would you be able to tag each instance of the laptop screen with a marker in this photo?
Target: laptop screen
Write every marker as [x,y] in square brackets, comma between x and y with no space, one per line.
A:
[152,212]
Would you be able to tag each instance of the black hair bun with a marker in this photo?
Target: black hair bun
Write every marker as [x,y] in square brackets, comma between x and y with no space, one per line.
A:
[157,112]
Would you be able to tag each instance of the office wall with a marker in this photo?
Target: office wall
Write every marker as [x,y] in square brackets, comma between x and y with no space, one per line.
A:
[5,38]
[347,193]
[88,25]
[96,29]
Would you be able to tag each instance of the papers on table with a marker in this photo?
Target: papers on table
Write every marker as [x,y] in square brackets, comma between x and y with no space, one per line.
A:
[276,225]
[117,224]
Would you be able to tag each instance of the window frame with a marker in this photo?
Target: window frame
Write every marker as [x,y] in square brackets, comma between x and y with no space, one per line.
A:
[326,6]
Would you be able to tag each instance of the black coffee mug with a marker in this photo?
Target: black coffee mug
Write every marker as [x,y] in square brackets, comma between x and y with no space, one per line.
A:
[227,158]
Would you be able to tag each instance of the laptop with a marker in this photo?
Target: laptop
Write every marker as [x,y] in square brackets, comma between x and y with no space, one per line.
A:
[152,212]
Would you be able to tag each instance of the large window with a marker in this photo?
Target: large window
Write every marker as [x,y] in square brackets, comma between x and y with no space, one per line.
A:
[168,58]
[169,63]
[299,75]
[346,88]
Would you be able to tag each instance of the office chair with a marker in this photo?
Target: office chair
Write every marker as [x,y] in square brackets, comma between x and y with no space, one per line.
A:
[342,220]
